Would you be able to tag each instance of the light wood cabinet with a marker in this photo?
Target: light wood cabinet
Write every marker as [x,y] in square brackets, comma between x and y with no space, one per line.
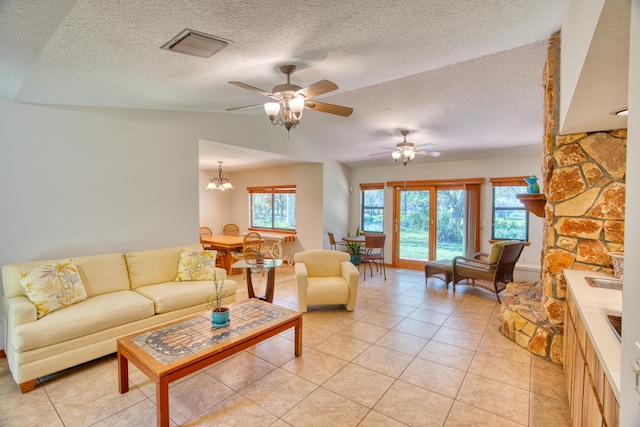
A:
[591,398]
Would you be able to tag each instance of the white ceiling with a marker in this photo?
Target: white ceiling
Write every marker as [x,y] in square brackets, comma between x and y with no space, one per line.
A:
[465,75]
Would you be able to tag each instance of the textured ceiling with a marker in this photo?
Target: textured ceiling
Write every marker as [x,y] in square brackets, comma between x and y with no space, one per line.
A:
[465,75]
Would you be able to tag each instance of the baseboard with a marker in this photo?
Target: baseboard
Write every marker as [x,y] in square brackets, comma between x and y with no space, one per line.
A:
[2,354]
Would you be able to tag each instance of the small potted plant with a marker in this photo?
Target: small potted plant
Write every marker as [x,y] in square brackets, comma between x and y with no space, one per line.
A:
[355,248]
[259,256]
[219,314]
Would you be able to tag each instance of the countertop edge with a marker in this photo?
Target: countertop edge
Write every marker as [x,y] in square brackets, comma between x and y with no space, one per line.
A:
[594,304]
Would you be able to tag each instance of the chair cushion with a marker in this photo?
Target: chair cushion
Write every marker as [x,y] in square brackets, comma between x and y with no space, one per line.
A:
[52,286]
[496,250]
[327,290]
[196,264]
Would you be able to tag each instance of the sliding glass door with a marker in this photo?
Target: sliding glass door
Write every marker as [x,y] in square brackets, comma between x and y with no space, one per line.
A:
[429,223]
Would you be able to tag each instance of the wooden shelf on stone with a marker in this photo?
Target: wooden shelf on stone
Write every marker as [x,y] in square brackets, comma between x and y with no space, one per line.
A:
[533,202]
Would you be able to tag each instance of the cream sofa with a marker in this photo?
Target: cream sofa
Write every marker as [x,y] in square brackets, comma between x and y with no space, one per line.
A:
[126,292]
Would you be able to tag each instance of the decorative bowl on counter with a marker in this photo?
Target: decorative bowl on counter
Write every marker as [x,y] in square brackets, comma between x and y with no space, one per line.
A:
[617,260]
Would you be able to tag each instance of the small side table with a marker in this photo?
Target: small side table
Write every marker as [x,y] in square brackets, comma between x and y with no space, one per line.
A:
[269,264]
[442,269]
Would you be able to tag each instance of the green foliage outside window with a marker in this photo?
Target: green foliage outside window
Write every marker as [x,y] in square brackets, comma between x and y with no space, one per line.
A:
[510,220]
[373,211]
[273,210]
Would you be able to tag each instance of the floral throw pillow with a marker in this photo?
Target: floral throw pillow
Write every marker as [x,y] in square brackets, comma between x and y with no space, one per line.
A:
[196,264]
[52,286]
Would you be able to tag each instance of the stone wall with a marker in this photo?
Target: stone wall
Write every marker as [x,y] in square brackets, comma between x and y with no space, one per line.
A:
[583,177]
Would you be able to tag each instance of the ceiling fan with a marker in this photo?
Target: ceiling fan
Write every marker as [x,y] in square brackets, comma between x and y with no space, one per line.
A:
[292,99]
[406,151]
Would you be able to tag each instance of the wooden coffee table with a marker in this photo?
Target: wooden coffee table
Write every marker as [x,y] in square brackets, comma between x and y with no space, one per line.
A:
[179,348]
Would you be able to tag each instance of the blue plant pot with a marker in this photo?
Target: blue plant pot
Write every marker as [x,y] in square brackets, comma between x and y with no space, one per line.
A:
[355,260]
[220,319]
[533,187]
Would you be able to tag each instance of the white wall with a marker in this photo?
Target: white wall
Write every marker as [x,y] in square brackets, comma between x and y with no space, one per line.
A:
[481,168]
[629,407]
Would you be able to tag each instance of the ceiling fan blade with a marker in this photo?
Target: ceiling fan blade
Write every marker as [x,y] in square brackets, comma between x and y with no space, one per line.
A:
[329,108]
[427,146]
[429,153]
[252,88]
[379,154]
[245,107]
[318,88]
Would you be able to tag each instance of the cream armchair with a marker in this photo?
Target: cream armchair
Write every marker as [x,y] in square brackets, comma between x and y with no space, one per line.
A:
[325,278]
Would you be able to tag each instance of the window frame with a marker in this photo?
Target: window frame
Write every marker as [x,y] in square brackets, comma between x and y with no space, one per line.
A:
[515,181]
[371,187]
[273,191]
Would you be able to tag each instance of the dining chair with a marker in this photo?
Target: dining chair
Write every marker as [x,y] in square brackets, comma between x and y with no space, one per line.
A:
[251,245]
[204,233]
[231,230]
[374,254]
[333,244]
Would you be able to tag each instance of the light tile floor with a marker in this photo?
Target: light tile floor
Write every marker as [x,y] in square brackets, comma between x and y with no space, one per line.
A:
[411,354]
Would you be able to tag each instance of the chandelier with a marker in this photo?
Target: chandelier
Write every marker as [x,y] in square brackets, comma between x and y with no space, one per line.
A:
[220,182]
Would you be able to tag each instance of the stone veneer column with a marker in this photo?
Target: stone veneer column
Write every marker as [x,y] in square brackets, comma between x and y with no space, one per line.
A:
[583,176]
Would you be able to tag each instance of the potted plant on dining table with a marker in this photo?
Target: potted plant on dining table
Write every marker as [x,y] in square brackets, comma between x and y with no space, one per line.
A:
[354,248]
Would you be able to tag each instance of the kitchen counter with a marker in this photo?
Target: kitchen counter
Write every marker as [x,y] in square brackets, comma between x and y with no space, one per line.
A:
[594,304]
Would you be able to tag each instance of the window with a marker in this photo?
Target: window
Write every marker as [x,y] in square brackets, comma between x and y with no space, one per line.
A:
[372,218]
[273,207]
[509,220]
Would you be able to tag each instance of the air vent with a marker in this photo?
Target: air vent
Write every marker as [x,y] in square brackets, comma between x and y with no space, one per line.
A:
[195,43]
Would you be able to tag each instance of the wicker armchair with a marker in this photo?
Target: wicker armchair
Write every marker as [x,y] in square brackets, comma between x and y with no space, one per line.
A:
[488,271]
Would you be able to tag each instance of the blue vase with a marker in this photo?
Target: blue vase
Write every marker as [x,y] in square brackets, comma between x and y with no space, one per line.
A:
[532,182]
[220,319]
[355,260]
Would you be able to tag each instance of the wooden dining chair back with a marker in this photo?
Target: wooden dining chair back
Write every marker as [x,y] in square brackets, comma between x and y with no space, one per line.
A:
[204,233]
[333,244]
[251,246]
[231,230]
[374,254]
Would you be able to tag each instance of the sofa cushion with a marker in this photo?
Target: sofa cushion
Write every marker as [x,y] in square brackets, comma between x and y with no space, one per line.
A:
[170,296]
[102,274]
[51,287]
[91,315]
[99,274]
[196,264]
[154,266]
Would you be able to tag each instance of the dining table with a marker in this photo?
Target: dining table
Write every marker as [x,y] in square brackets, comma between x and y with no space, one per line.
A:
[226,244]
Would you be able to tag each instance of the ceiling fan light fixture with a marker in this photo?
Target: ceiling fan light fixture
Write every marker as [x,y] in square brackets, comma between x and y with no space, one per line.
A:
[272,109]
[396,155]
[297,106]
